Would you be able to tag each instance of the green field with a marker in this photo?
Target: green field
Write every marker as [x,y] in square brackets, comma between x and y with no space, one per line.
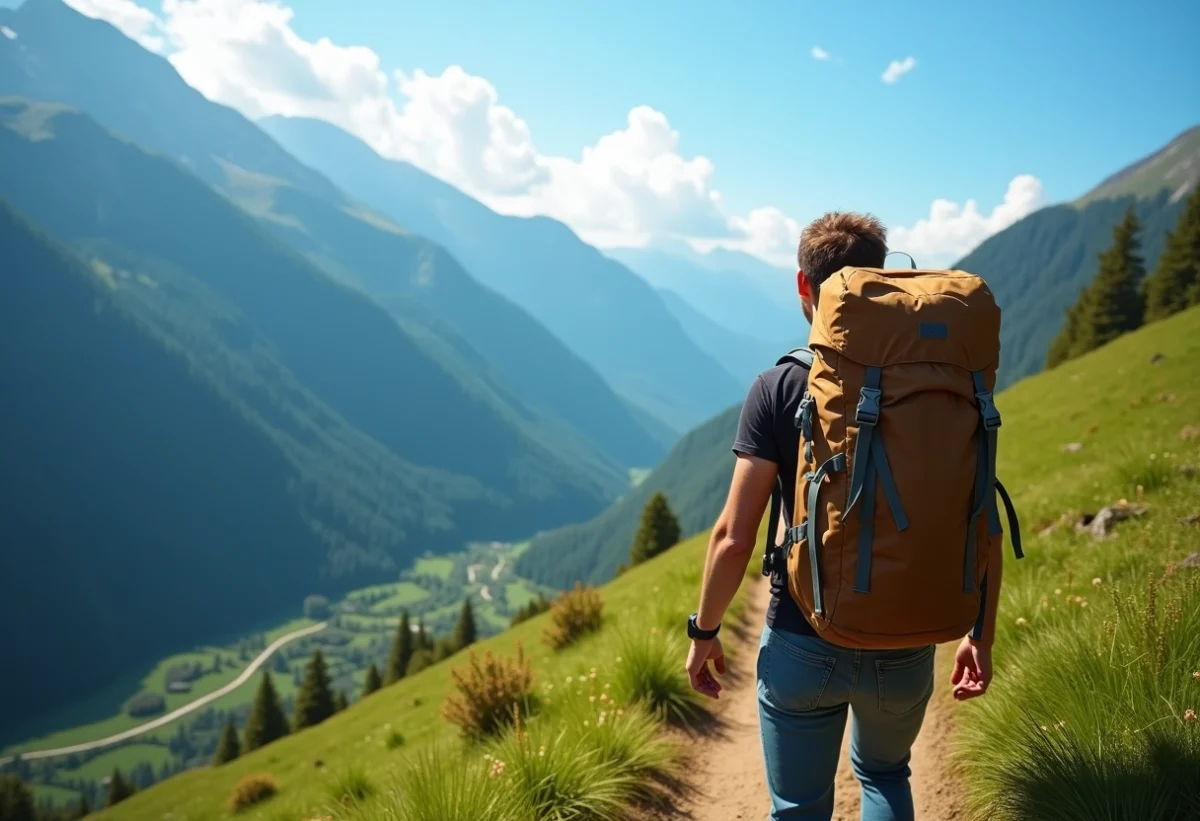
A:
[123,758]
[436,566]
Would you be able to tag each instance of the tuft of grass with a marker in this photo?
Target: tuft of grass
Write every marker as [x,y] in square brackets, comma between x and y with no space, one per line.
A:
[251,790]
[443,785]
[649,671]
[393,739]
[555,776]
[350,786]
[1144,472]
[490,692]
[573,615]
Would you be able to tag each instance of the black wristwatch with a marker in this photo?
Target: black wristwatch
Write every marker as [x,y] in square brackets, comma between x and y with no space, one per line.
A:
[694,631]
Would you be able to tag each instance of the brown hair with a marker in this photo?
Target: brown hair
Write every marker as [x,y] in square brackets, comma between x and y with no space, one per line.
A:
[840,239]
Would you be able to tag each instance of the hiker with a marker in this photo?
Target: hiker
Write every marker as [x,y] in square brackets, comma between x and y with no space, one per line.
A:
[890,541]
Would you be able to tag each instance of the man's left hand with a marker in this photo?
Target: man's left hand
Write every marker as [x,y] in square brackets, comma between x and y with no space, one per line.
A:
[699,674]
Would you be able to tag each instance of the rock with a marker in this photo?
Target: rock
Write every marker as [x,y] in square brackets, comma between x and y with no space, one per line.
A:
[318,763]
[1158,357]
[1189,432]
[1166,397]
[1194,519]
[1100,526]
[1188,470]
[1192,562]
[1073,447]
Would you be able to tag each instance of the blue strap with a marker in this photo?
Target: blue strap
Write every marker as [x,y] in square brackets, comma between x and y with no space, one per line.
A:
[866,415]
[977,630]
[866,534]
[833,464]
[879,463]
[1014,526]
[985,475]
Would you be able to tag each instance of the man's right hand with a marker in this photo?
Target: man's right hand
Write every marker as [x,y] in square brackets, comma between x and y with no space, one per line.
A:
[972,669]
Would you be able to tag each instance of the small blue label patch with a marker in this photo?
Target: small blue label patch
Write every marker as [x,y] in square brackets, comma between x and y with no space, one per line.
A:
[933,330]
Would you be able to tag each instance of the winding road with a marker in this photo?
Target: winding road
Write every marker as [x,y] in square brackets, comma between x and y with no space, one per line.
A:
[190,707]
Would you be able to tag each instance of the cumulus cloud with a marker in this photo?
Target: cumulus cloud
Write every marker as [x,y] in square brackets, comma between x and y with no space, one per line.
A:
[632,184]
[952,230]
[897,69]
[134,21]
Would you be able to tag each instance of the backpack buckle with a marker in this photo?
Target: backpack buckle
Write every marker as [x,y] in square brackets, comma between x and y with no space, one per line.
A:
[869,406]
[988,410]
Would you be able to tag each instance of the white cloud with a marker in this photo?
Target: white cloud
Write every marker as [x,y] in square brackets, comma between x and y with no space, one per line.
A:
[952,230]
[897,69]
[633,184]
[8,33]
[819,53]
[134,21]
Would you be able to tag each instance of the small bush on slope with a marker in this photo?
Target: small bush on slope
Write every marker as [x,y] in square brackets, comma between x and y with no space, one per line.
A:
[252,789]
[490,692]
[1097,642]
[649,671]
[574,614]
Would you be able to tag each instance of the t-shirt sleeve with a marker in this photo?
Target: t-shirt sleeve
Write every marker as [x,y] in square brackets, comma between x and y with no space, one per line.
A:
[756,425]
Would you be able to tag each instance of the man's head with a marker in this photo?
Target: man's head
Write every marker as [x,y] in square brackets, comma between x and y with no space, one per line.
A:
[833,242]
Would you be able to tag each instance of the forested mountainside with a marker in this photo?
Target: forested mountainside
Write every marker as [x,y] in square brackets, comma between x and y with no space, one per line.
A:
[140,96]
[604,311]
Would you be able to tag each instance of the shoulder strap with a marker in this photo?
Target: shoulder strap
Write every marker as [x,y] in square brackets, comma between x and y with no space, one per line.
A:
[803,357]
[799,356]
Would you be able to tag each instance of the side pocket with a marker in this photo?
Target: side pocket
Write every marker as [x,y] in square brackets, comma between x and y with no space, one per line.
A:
[905,683]
[794,678]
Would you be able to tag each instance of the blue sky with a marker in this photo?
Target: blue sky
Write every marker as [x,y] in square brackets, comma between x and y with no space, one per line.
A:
[1067,91]
[625,119]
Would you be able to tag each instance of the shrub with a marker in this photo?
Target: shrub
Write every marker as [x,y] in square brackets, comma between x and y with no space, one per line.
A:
[650,671]
[490,691]
[146,703]
[573,615]
[350,786]
[250,790]
[393,739]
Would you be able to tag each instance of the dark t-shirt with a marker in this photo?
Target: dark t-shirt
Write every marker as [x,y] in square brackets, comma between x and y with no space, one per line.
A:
[767,430]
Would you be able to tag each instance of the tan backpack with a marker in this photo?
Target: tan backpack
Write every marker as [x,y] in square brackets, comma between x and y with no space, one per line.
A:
[896,486]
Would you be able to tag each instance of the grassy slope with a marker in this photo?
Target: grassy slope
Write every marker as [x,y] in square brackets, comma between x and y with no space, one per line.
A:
[658,593]
[1121,408]
[1060,664]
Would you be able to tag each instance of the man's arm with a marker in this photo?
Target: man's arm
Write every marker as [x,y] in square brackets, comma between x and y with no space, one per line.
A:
[973,661]
[730,548]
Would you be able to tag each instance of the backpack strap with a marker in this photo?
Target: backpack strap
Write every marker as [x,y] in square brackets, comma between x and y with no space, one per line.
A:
[804,358]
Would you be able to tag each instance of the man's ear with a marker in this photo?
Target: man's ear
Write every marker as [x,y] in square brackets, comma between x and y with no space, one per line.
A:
[802,286]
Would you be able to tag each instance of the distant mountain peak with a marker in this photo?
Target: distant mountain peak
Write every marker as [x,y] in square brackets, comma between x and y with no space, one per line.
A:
[1175,166]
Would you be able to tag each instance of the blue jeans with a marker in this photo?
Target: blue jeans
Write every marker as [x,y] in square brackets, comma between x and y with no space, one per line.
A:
[806,686]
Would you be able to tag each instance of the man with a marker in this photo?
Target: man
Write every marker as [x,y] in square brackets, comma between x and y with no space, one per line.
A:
[807,685]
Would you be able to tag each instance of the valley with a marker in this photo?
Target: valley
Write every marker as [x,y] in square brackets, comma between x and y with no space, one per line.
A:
[354,632]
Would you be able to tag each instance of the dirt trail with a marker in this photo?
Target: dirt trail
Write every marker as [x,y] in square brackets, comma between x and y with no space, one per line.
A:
[730,784]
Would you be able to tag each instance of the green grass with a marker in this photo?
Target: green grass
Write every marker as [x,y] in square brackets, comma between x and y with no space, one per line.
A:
[402,595]
[1095,650]
[436,566]
[56,795]
[518,594]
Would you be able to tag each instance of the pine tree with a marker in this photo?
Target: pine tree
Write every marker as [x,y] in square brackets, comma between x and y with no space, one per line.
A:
[443,649]
[402,650]
[372,682]
[228,747]
[424,642]
[465,632]
[339,701]
[82,808]
[1175,283]
[657,531]
[118,789]
[1114,303]
[16,800]
[419,661]
[314,701]
[1064,345]
[267,721]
